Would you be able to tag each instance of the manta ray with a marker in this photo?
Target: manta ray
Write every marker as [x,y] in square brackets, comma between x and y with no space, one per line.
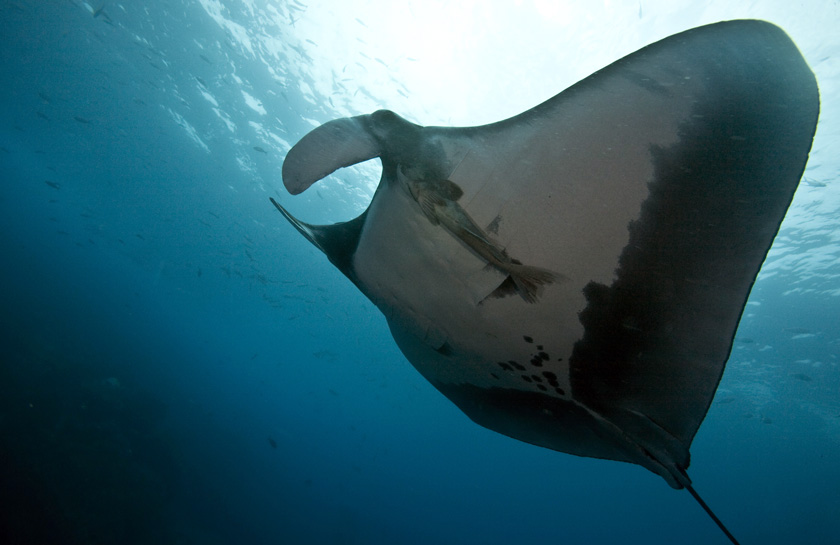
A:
[573,276]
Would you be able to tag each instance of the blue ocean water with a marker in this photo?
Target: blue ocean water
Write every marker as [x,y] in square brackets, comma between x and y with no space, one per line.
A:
[180,366]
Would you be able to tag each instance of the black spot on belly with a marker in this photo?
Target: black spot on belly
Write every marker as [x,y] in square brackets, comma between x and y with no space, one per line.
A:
[539,347]
[526,378]
[536,362]
[528,339]
[505,366]
[543,356]
[494,375]
[541,387]
[560,391]
[551,378]
[536,378]
[516,365]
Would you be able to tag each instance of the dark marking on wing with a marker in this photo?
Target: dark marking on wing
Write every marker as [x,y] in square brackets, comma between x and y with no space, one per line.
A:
[445,349]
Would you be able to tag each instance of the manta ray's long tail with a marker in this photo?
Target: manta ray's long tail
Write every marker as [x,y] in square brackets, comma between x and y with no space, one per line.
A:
[682,477]
[711,513]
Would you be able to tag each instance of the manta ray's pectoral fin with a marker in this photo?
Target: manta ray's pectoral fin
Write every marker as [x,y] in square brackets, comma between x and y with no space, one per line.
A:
[303,228]
[337,241]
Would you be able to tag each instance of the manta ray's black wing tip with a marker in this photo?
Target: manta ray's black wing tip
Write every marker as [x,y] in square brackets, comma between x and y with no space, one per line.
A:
[303,228]
[338,241]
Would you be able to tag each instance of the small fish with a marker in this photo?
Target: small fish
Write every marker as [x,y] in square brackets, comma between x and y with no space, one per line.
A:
[81,120]
[53,185]
[437,200]
[259,149]
[272,442]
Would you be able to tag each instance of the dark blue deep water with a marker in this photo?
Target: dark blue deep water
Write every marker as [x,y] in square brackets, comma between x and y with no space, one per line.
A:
[180,366]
